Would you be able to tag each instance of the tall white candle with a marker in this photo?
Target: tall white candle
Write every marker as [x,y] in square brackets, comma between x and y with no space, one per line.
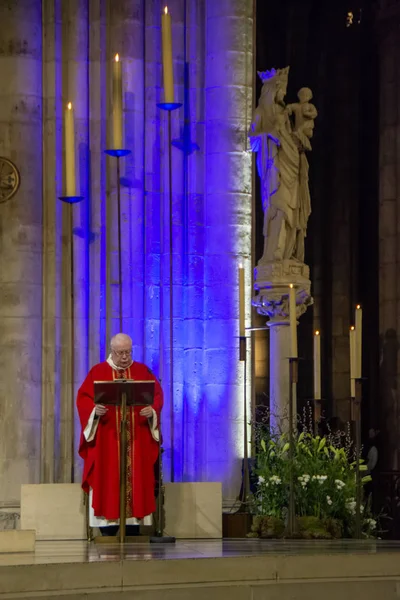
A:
[358,365]
[317,366]
[168,71]
[242,331]
[352,362]
[117,103]
[70,175]
[293,321]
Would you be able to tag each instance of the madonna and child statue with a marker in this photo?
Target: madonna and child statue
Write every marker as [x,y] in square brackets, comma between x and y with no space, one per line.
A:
[281,135]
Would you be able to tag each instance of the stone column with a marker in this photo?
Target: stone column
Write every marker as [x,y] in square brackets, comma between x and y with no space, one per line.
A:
[389,231]
[272,282]
[52,241]
[21,247]
[76,90]
[227,209]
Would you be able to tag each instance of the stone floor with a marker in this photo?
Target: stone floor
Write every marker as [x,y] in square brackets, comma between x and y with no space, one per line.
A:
[81,552]
[204,570]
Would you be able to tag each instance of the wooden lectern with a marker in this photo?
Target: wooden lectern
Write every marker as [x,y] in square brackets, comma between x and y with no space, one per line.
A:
[123,393]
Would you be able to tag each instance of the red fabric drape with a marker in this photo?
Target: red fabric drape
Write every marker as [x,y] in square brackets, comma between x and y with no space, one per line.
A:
[101,456]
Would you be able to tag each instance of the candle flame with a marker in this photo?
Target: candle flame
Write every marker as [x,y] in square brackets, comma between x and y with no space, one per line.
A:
[352,328]
[69,105]
[358,307]
[116,58]
[166,10]
[240,265]
[291,285]
[317,332]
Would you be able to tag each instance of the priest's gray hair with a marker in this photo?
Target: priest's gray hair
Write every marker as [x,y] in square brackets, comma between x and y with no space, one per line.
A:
[120,338]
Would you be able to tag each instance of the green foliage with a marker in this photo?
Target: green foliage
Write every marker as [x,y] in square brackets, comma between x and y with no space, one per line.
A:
[324,474]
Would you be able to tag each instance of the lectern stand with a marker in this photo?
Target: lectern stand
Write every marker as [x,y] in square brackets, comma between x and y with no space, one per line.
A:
[123,393]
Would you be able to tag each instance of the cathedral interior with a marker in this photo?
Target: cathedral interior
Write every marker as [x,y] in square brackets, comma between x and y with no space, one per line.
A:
[56,323]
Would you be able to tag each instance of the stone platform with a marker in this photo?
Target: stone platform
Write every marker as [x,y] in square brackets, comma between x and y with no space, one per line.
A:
[209,569]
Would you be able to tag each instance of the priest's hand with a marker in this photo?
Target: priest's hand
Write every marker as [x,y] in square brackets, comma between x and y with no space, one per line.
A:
[100,410]
[147,411]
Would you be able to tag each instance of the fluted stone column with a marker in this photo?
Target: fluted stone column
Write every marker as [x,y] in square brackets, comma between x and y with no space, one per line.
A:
[21,247]
[227,207]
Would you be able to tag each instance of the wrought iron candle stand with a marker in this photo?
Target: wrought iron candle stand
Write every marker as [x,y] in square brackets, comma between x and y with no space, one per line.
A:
[293,380]
[356,418]
[159,537]
[71,201]
[118,154]
[317,405]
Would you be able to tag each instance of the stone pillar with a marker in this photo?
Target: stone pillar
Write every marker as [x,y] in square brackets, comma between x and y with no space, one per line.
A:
[194,409]
[389,231]
[272,282]
[227,209]
[21,247]
[52,241]
[75,230]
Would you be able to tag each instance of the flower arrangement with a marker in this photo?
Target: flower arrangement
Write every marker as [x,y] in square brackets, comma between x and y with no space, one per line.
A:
[324,474]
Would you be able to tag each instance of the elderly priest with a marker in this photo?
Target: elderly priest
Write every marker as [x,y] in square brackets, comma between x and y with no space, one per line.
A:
[99,444]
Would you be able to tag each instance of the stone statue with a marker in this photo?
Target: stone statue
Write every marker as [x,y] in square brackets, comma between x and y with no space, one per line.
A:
[282,165]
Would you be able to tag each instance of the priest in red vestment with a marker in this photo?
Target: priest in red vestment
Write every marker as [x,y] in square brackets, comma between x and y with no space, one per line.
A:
[99,443]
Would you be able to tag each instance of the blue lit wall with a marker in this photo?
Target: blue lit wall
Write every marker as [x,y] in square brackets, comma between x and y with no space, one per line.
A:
[211,165]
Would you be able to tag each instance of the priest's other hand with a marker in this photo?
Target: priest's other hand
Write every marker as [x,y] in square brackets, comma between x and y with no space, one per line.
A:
[100,410]
[147,411]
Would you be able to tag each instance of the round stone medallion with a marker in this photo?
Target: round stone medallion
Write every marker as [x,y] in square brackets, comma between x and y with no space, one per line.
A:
[9,179]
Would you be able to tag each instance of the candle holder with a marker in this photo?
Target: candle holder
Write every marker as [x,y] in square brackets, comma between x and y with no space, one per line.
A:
[119,153]
[71,201]
[293,380]
[169,106]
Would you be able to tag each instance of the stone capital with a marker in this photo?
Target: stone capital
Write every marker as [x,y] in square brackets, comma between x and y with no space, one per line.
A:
[272,281]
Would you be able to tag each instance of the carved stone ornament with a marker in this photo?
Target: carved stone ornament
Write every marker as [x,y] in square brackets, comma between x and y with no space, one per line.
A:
[272,282]
[9,179]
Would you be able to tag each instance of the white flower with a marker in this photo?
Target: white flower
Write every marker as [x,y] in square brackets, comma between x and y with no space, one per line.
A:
[351,506]
[329,501]
[371,523]
[320,478]
[304,479]
[275,480]
[261,479]
[339,484]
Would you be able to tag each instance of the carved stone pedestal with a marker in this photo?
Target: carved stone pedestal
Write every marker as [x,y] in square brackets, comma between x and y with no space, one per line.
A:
[272,280]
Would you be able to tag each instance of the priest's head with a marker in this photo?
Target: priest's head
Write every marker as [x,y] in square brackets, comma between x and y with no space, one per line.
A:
[121,350]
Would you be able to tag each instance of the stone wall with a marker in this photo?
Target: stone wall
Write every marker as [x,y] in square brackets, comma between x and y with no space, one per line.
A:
[203,423]
[21,239]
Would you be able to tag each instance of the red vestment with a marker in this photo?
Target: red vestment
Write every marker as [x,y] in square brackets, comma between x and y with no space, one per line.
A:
[101,455]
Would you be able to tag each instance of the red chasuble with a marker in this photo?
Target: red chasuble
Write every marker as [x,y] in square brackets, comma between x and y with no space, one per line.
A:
[101,456]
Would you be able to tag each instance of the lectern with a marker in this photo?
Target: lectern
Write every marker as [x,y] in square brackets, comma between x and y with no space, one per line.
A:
[123,393]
